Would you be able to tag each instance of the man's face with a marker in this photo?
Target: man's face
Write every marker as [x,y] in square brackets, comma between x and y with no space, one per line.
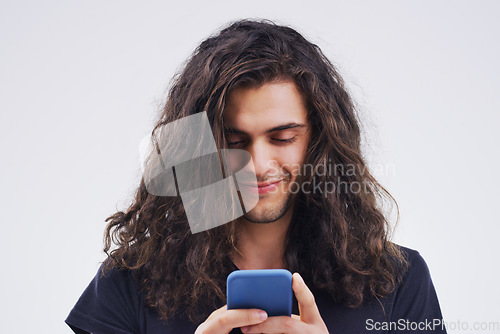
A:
[270,122]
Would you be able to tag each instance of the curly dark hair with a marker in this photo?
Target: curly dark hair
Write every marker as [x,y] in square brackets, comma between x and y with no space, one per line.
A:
[339,241]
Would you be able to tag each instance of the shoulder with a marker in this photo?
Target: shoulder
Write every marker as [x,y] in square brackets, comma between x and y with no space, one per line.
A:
[417,267]
[113,285]
[414,258]
[415,298]
[110,279]
[111,301]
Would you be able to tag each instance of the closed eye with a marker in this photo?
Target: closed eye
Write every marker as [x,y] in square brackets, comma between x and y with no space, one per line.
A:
[233,143]
[284,141]
[279,141]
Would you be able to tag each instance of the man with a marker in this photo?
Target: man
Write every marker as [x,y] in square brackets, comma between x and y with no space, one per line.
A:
[268,91]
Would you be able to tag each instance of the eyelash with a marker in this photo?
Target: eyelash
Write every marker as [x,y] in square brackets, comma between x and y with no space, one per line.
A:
[280,141]
[288,140]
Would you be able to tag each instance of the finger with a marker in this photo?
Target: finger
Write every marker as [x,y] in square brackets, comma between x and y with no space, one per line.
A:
[278,325]
[223,321]
[217,312]
[308,309]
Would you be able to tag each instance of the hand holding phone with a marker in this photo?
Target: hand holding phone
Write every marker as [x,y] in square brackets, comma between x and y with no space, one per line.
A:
[254,320]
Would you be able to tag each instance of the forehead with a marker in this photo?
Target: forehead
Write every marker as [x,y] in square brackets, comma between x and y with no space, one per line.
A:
[255,109]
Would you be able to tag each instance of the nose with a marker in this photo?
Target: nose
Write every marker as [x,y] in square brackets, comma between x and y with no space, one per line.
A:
[263,159]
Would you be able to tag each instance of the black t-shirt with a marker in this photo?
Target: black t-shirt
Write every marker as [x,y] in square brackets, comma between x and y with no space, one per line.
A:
[113,304]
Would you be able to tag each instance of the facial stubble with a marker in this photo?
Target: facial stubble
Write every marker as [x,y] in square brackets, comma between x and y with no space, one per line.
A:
[272,214]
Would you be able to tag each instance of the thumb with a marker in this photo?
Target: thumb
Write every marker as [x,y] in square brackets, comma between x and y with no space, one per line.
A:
[308,309]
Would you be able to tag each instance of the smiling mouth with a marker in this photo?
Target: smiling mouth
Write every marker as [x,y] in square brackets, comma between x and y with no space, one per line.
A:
[268,183]
[268,186]
[262,187]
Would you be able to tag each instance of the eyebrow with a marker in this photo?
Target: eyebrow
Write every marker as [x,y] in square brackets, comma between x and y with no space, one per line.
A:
[287,126]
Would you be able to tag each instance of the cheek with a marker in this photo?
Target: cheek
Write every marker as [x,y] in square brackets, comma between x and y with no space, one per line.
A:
[293,158]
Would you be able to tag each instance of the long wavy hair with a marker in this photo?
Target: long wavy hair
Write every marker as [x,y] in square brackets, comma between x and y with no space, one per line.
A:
[337,240]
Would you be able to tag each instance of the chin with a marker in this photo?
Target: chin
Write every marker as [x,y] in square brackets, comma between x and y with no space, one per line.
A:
[263,214]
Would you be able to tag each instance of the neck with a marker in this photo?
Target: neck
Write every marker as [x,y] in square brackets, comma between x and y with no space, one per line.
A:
[261,246]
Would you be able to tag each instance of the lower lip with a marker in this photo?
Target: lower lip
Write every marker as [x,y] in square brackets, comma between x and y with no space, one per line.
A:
[268,188]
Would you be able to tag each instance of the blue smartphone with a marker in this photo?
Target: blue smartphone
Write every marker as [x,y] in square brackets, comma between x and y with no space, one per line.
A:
[267,289]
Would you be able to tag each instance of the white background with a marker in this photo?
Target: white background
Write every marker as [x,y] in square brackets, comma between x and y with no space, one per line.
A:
[81,81]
